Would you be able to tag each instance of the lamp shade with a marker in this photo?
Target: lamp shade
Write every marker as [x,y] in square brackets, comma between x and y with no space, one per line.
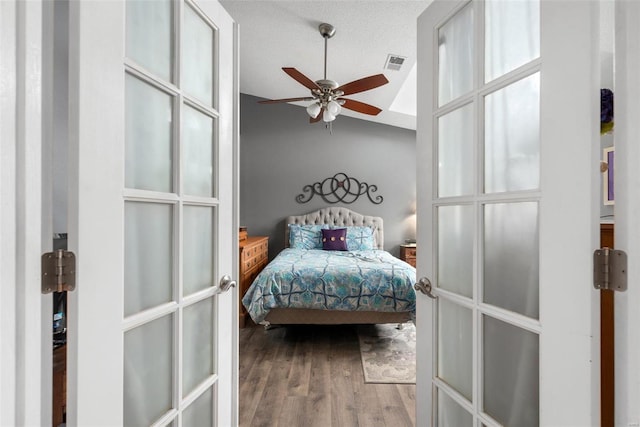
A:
[327,116]
[313,110]
[334,108]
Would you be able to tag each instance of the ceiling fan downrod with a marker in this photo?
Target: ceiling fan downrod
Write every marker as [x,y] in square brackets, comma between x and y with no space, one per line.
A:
[327,31]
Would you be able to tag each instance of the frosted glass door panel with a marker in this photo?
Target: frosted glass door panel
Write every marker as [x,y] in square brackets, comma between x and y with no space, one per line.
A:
[455,347]
[198,153]
[511,263]
[450,414]
[198,248]
[455,56]
[455,249]
[198,344]
[200,412]
[512,137]
[148,127]
[197,59]
[148,372]
[455,153]
[148,35]
[510,373]
[512,35]
[148,255]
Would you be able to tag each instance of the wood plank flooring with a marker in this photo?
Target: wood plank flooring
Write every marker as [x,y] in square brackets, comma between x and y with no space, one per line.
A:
[311,375]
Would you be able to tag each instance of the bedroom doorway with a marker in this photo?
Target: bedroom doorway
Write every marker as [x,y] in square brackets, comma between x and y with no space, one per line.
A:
[506,226]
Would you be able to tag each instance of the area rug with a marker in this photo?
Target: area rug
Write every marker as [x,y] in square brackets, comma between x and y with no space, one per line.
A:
[388,354]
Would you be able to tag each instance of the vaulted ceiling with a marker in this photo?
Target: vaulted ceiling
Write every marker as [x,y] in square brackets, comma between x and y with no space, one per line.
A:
[276,34]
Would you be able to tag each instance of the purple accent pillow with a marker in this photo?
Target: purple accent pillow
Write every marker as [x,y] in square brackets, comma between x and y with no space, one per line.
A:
[334,239]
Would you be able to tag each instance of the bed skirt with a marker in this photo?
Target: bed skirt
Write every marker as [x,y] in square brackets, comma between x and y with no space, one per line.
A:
[303,316]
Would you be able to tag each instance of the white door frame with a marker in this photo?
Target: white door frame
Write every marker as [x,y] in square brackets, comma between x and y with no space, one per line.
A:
[25,375]
[627,205]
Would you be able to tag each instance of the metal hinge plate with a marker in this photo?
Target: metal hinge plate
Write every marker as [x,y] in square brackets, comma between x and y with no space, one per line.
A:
[58,271]
[610,269]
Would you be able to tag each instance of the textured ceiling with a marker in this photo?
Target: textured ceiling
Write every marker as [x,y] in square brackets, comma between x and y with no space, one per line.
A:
[276,34]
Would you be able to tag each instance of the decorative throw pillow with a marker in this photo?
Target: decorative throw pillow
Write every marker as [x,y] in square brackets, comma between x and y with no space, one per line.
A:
[360,238]
[334,239]
[306,236]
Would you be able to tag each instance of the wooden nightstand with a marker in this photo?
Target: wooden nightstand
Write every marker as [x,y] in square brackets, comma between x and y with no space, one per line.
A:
[254,255]
[408,254]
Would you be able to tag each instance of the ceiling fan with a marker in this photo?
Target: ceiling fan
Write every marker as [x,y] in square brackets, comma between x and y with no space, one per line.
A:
[327,95]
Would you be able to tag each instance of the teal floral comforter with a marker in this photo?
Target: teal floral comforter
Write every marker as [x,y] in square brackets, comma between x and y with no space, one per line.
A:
[369,280]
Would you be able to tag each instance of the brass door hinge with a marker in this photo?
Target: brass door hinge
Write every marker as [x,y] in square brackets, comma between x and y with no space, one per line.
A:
[58,271]
[610,269]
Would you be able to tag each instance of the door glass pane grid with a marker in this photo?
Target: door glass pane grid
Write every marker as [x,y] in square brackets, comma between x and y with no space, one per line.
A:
[181,101]
[149,41]
[478,199]
[512,35]
[199,51]
[508,273]
[201,411]
[455,150]
[150,268]
[512,135]
[451,414]
[198,248]
[509,375]
[191,354]
[456,238]
[455,347]
[199,152]
[150,119]
[456,55]
[148,372]
[451,405]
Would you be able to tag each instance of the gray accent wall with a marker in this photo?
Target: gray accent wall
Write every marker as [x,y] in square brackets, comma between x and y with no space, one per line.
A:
[280,153]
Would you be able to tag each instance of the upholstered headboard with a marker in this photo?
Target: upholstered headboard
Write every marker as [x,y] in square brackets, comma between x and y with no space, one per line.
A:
[338,216]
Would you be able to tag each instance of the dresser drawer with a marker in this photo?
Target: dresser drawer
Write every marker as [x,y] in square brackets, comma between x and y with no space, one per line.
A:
[408,254]
[253,262]
[254,256]
[260,250]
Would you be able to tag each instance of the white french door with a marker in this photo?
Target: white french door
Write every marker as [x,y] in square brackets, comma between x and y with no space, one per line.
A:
[152,204]
[507,213]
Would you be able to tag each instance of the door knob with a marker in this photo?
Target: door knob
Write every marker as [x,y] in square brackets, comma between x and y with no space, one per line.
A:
[226,283]
[424,285]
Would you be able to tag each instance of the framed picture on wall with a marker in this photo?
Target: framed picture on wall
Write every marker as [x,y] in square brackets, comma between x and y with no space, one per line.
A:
[607,176]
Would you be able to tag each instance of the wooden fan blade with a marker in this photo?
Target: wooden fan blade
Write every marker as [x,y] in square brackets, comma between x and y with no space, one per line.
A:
[360,107]
[363,84]
[318,117]
[300,78]
[275,101]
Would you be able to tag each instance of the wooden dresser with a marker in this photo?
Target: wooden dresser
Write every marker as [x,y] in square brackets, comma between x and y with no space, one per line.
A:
[607,340]
[408,254]
[59,385]
[254,255]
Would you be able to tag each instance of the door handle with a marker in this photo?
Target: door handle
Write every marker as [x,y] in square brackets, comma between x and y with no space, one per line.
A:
[226,283]
[424,285]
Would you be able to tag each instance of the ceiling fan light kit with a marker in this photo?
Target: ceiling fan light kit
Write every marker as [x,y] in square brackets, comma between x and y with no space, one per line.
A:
[327,94]
[314,109]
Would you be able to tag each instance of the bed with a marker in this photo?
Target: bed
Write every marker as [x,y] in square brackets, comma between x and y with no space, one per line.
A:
[306,284]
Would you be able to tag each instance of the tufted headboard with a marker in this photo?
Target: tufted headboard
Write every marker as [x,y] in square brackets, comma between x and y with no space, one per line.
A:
[338,216]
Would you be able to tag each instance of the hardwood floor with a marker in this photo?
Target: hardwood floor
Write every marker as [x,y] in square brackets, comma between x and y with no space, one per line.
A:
[311,375]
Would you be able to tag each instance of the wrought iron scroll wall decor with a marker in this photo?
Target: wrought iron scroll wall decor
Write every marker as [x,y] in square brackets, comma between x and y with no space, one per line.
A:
[339,188]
